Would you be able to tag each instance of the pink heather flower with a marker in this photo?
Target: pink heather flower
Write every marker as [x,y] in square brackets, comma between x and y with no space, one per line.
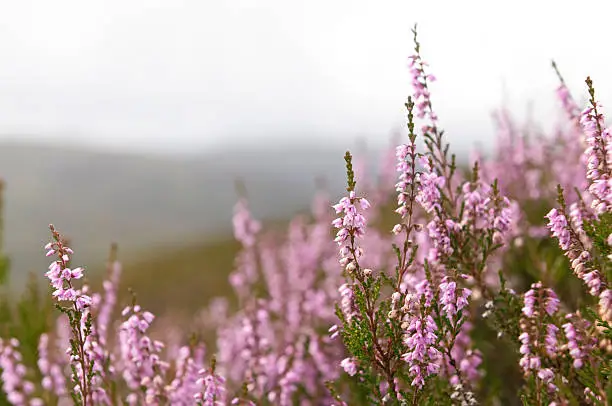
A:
[347,304]
[61,278]
[350,219]
[405,153]
[572,344]
[185,383]
[53,377]
[559,228]
[529,301]
[420,337]
[422,95]
[467,359]
[580,342]
[288,384]
[214,391]
[429,185]
[143,370]
[597,157]
[333,331]
[502,217]
[593,282]
[547,376]
[422,357]
[551,339]
[451,302]
[439,236]
[525,351]
[246,230]
[577,215]
[551,304]
[102,367]
[108,301]
[567,101]
[469,363]
[274,342]
[533,339]
[549,297]
[351,225]
[423,290]
[18,389]
[245,226]
[475,198]
[349,365]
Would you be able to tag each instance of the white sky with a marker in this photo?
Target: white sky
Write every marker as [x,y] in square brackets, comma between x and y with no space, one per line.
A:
[185,75]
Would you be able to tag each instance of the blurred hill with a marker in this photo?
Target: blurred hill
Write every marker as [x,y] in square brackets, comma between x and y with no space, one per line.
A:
[147,204]
[181,280]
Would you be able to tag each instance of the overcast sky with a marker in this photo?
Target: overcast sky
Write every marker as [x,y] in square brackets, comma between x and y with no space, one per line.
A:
[188,75]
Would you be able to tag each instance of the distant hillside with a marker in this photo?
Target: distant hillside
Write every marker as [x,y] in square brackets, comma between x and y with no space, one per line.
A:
[180,279]
[146,203]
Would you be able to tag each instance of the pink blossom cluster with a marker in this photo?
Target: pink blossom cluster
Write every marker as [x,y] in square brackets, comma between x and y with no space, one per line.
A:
[61,277]
[420,337]
[536,340]
[422,94]
[405,186]
[597,156]
[19,390]
[351,225]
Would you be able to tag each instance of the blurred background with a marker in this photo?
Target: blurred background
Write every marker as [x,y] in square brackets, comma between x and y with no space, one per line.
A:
[129,122]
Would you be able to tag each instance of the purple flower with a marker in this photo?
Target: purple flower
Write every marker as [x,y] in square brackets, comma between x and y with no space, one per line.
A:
[245,227]
[451,303]
[18,388]
[420,337]
[347,304]
[406,185]
[351,225]
[214,391]
[429,187]
[421,92]
[580,341]
[567,101]
[143,370]
[597,156]
[559,228]
[551,339]
[349,365]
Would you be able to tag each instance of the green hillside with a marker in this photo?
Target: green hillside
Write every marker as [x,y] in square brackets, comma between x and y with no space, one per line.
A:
[183,279]
[146,204]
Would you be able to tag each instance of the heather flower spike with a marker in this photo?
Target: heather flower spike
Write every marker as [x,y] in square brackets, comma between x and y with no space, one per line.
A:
[63,280]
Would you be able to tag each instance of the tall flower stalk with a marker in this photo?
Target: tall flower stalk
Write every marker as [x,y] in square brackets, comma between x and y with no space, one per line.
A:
[75,304]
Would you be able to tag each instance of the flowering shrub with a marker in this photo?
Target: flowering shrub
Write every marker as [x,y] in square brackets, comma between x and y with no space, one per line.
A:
[490,281]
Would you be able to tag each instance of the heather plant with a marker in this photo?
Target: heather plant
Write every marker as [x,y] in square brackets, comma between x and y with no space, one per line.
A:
[408,332]
[422,352]
[486,283]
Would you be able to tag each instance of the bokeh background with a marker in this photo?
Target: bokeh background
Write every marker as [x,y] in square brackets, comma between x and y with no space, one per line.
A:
[130,122]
